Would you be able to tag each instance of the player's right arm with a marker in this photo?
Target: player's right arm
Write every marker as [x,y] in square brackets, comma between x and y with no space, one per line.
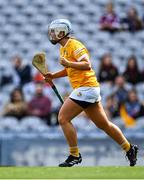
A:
[49,76]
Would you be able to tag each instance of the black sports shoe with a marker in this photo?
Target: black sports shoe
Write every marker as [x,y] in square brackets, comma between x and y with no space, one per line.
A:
[132,155]
[71,161]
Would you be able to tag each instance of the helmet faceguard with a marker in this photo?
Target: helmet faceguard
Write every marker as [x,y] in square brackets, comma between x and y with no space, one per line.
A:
[58,29]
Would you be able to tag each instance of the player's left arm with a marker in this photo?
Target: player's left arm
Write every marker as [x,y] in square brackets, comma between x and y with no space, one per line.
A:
[81,58]
[84,64]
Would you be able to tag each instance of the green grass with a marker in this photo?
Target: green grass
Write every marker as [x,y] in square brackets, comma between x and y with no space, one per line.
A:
[72,173]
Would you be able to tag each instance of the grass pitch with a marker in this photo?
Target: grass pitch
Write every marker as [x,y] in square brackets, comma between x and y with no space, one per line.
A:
[72,173]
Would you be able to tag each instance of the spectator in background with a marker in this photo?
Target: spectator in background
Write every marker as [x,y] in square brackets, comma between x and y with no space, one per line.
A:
[40,105]
[17,107]
[132,21]
[29,88]
[109,20]
[142,76]
[120,90]
[132,73]
[133,106]
[23,71]
[38,77]
[6,77]
[143,20]
[112,107]
[108,71]
[131,109]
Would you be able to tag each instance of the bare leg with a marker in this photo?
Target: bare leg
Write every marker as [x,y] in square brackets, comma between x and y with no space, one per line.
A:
[67,112]
[98,116]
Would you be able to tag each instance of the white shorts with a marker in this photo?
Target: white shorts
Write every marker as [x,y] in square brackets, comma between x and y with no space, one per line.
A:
[86,94]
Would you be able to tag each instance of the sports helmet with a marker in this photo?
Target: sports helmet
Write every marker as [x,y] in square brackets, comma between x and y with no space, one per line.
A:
[57,26]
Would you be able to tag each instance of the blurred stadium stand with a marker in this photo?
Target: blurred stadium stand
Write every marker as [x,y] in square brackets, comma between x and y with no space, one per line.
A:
[23,31]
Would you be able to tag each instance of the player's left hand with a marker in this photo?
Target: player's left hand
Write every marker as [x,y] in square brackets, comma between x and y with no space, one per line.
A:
[64,62]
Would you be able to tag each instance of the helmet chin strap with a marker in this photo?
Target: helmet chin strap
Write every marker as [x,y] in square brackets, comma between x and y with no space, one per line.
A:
[55,42]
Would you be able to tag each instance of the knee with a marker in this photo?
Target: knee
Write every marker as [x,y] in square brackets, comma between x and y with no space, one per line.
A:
[62,119]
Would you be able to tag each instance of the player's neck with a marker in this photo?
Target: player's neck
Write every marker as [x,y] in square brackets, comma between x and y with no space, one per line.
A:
[64,41]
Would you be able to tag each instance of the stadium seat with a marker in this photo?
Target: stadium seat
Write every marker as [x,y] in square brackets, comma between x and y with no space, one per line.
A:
[89,14]
[24,31]
[119,122]
[123,2]
[32,123]
[140,123]
[9,123]
[140,36]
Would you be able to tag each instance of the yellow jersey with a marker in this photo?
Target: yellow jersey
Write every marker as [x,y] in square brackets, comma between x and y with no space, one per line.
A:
[75,51]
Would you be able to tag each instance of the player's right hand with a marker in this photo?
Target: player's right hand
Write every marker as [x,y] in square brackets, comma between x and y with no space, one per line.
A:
[48,77]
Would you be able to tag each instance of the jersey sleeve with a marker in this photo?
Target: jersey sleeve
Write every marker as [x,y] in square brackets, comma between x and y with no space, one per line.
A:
[80,52]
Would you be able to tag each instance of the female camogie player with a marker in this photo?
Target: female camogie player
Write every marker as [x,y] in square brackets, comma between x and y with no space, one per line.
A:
[86,94]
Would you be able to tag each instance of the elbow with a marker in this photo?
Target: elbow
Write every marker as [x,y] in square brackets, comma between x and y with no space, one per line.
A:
[88,66]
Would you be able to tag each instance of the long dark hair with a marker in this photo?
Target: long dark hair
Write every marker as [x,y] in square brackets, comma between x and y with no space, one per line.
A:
[103,59]
[13,93]
[135,61]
